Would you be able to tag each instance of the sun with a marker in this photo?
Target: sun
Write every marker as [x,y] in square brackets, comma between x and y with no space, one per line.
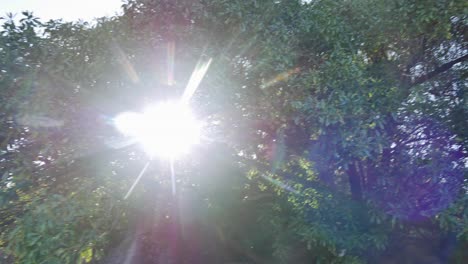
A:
[167,129]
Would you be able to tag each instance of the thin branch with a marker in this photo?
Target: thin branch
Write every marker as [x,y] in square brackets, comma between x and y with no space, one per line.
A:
[443,68]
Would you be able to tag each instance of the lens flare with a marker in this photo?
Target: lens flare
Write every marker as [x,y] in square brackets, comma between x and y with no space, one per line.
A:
[167,129]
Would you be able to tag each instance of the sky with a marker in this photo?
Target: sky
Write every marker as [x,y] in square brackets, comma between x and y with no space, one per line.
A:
[68,10]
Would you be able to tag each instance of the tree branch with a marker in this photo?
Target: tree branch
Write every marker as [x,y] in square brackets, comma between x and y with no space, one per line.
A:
[443,68]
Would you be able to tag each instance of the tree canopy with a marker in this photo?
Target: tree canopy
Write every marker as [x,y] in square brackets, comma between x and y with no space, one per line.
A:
[334,132]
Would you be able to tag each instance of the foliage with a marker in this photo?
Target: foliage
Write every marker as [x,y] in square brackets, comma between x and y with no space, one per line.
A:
[335,127]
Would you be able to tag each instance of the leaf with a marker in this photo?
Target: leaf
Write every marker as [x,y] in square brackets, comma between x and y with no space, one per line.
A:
[87,254]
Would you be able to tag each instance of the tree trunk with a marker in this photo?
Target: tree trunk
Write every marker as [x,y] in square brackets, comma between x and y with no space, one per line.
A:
[355,182]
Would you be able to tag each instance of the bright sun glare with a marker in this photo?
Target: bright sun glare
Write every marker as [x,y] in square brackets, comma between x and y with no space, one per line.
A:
[166,129]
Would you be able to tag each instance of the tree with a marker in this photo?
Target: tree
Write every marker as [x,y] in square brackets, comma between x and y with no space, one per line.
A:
[334,126]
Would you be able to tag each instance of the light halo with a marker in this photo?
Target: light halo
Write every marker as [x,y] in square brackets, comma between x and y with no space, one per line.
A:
[167,129]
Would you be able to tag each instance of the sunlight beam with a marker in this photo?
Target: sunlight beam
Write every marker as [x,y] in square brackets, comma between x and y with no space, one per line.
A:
[197,75]
[137,180]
